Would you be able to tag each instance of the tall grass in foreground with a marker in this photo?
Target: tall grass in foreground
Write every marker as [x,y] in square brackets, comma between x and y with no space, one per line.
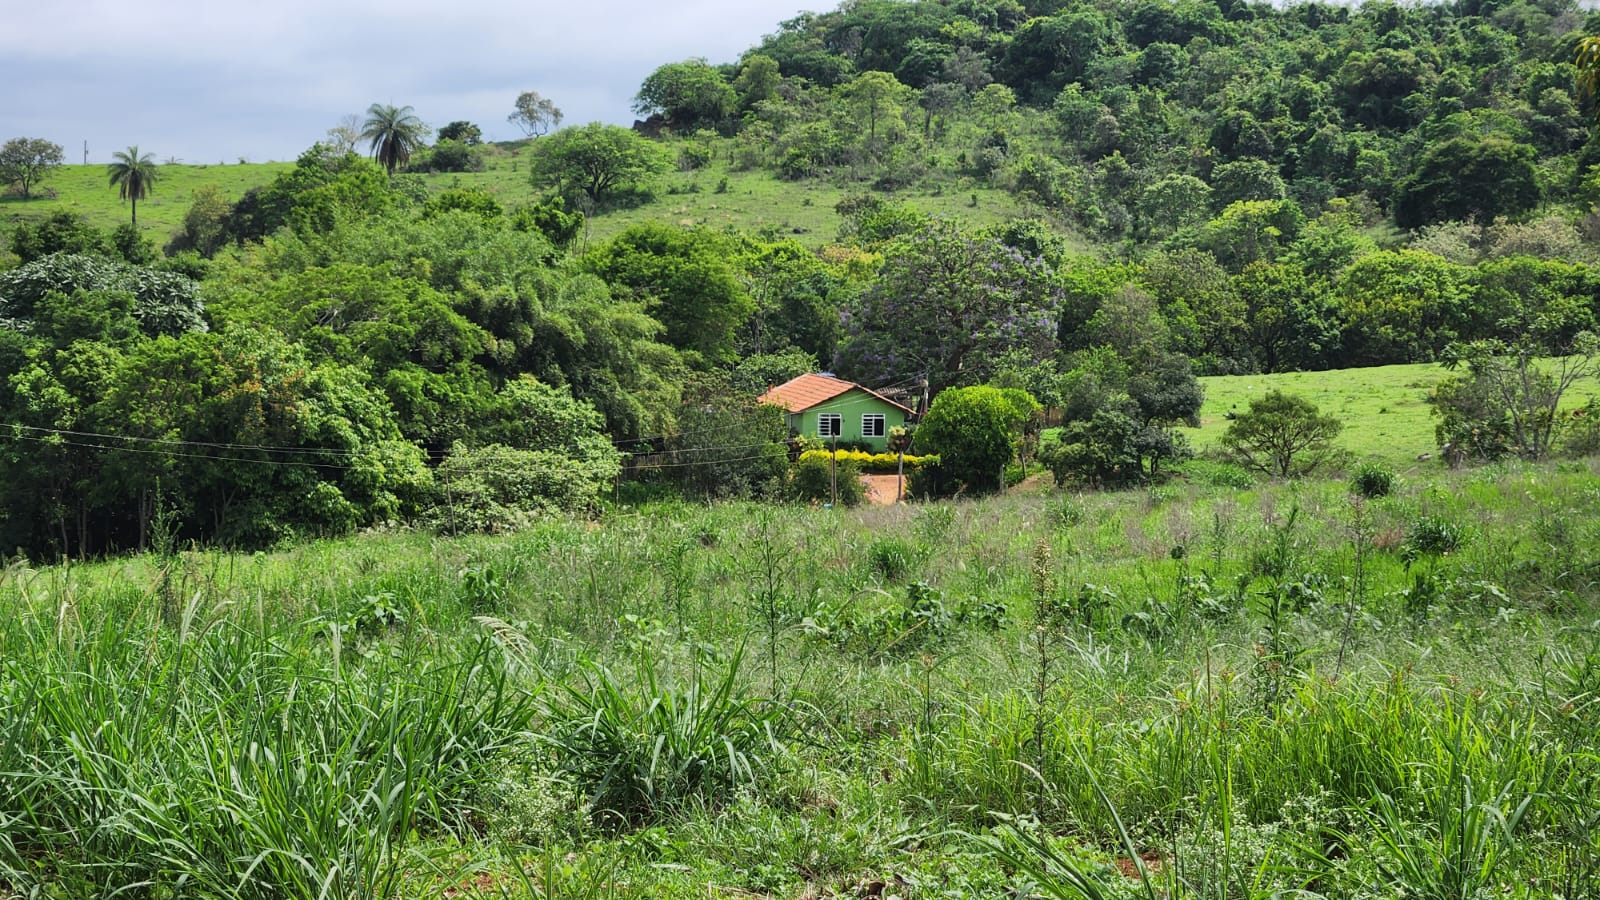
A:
[1251,692]
[214,759]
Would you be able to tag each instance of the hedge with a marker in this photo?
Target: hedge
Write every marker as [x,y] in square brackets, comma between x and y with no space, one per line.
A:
[875,463]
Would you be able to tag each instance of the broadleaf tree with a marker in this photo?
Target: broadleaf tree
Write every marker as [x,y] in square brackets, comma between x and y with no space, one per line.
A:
[947,306]
[534,114]
[1283,435]
[595,161]
[27,161]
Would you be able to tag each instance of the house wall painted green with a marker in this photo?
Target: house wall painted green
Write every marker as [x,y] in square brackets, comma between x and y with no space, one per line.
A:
[850,407]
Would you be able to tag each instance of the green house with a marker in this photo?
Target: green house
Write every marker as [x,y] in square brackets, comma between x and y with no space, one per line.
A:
[830,408]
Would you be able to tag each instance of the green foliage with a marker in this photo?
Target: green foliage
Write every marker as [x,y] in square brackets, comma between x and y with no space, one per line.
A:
[725,443]
[758,372]
[327,717]
[462,132]
[974,431]
[1373,480]
[882,626]
[393,133]
[813,479]
[544,453]
[25,162]
[324,189]
[688,95]
[477,202]
[1583,430]
[62,232]
[1115,445]
[946,305]
[205,224]
[1508,402]
[251,805]
[447,155]
[551,219]
[1283,435]
[1434,535]
[893,559]
[595,162]
[163,303]
[498,489]
[685,279]
[643,749]
[134,176]
[534,114]
[1465,178]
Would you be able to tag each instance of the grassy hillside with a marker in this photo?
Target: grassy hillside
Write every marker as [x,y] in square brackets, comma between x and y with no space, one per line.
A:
[1385,408]
[84,191]
[716,196]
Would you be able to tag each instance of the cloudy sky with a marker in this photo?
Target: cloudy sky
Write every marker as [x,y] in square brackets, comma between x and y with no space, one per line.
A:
[209,81]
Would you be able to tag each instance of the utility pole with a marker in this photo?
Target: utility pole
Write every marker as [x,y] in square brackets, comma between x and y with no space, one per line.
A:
[86,152]
[833,471]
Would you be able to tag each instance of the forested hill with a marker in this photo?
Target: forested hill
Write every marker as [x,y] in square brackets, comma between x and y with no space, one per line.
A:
[1092,203]
[1133,121]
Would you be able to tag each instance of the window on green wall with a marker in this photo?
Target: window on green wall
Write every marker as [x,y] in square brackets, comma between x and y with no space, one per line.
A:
[872,425]
[828,424]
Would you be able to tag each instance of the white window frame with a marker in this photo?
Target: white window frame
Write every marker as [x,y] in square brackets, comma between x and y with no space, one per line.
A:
[822,427]
[882,427]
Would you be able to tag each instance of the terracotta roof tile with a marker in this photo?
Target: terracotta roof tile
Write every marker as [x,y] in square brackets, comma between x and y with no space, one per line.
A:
[807,391]
[799,394]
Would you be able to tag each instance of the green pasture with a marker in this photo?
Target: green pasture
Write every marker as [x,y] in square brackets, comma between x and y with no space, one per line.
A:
[1385,409]
[86,191]
[804,210]
[721,196]
[748,200]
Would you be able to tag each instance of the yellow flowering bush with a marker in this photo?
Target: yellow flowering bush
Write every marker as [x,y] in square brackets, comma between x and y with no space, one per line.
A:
[874,463]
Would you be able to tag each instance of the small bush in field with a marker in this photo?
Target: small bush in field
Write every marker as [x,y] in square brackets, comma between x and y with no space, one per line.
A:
[1217,474]
[1583,430]
[640,747]
[893,559]
[1435,535]
[531,807]
[1373,480]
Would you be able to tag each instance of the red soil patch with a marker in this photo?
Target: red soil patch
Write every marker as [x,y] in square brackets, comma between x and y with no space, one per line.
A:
[880,489]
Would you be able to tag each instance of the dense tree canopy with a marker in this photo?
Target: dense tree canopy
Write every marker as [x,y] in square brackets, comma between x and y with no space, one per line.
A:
[946,305]
[686,95]
[1089,204]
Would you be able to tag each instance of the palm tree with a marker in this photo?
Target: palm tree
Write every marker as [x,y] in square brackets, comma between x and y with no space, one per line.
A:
[1587,58]
[134,174]
[394,133]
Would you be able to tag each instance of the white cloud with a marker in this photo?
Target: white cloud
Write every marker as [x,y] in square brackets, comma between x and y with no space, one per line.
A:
[204,81]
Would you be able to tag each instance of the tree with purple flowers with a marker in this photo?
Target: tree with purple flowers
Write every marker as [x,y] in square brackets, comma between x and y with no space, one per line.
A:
[946,306]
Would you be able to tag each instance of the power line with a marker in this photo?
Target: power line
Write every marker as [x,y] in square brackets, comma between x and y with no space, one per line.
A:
[53,437]
[217,445]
